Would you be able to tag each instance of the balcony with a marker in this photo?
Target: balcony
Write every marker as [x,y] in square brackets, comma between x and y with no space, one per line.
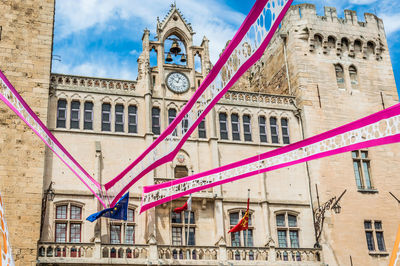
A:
[106,254]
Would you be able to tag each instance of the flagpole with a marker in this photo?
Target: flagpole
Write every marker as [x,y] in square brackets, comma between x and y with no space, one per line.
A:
[247,230]
[188,225]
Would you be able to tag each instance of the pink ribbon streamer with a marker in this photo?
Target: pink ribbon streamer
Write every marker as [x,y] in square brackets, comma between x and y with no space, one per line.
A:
[250,19]
[377,129]
[13,99]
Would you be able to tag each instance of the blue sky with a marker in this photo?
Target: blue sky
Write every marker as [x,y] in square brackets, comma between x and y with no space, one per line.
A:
[103,38]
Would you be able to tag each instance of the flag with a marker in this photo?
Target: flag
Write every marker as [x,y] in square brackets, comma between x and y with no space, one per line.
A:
[243,224]
[186,206]
[118,212]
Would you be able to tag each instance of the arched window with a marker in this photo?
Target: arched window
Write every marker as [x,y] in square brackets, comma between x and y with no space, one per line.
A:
[61,113]
[339,76]
[353,77]
[153,57]
[132,119]
[357,46]
[175,50]
[370,48]
[106,117]
[247,127]
[317,41]
[345,45]
[68,223]
[235,127]
[331,42]
[262,123]
[197,63]
[119,118]
[239,239]
[287,230]
[180,171]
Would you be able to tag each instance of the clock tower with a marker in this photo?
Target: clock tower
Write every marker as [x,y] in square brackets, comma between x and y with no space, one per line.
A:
[171,65]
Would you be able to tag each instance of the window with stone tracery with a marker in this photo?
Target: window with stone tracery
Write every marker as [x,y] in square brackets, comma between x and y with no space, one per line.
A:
[68,223]
[287,230]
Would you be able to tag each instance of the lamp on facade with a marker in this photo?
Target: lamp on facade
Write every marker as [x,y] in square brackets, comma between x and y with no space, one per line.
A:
[50,193]
[337,208]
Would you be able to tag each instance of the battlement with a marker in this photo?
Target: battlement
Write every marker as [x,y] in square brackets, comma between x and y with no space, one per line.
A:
[308,11]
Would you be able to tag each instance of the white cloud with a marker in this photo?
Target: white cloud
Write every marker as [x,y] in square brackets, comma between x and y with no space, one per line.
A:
[362,2]
[391,22]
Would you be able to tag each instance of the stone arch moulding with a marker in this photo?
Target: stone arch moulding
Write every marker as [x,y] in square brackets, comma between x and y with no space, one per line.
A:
[183,159]
[178,33]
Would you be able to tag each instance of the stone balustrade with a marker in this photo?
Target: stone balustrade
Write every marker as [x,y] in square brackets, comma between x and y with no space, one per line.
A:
[254,97]
[89,82]
[98,253]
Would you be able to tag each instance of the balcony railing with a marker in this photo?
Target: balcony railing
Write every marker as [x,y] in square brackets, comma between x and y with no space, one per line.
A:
[98,253]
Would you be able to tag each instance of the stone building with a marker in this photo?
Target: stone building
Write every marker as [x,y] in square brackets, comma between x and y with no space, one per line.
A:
[307,82]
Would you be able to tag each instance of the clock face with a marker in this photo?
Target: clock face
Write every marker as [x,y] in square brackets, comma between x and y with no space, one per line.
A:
[177,82]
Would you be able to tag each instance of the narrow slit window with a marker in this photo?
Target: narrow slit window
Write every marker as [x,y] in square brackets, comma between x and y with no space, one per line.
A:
[171,117]
[155,120]
[285,131]
[132,119]
[247,127]
[235,127]
[88,116]
[263,129]
[223,126]
[202,129]
[274,130]
[339,76]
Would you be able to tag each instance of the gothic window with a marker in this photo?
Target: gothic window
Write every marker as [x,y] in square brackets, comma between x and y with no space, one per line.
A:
[132,119]
[61,113]
[155,120]
[240,239]
[123,232]
[180,224]
[235,127]
[353,77]
[285,131]
[223,126]
[361,165]
[339,76]
[68,223]
[357,46]
[202,129]
[180,171]
[345,45]
[371,229]
[247,127]
[331,42]
[106,117]
[317,41]
[263,129]
[119,118]
[153,58]
[197,63]
[185,124]
[287,230]
[75,106]
[175,50]
[88,115]
[274,130]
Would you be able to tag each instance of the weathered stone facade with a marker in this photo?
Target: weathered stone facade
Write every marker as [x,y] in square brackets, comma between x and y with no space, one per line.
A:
[298,80]
[25,58]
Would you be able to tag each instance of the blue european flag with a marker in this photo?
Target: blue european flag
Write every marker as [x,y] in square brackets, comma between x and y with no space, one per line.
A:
[118,212]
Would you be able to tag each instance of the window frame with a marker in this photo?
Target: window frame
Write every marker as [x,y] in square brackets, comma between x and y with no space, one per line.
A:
[360,174]
[105,122]
[85,111]
[276,127]
[243,241]
[119,126]
[373,232]
[248,133]
[223,134]
[339,74]
[155,128]
[288,228]
[134,115]
[202,132]
[171,116]
[264,125]
[285,136]
[75,110]
[64,110]
[183,224]
[68,221]
[235,133]
[123,225]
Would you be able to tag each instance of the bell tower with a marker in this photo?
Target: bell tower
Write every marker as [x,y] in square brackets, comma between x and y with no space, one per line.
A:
[179,66]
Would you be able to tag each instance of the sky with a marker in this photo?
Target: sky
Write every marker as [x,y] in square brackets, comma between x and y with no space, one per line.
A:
[102,38]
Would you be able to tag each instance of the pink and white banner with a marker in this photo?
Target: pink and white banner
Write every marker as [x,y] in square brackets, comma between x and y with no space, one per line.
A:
[377,129]
[11,97]
[5,247]
[246,47]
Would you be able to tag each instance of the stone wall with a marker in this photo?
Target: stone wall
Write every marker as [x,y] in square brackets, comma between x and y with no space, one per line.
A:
[25,58]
